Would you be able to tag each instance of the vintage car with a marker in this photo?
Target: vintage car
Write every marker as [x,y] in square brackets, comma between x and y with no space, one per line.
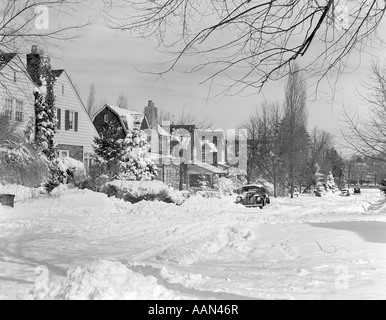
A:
[345,192]
[357,191]
[296,192]
[253,195]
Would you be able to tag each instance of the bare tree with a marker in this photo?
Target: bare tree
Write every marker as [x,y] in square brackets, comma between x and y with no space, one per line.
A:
[294,125]
[27,22]
[321,143]
[367,135]
[253,42]
[122,101]
[91,100]
[265,147]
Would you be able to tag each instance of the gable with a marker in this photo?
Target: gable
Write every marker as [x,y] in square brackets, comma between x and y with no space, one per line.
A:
[68,101]
[99,120]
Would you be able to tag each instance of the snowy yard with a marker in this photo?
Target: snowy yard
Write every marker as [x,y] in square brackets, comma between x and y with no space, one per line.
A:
[80,244]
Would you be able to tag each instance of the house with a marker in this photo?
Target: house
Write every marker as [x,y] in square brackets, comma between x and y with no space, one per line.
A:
[76,131]
[16,91]
[196,152]
[121,118]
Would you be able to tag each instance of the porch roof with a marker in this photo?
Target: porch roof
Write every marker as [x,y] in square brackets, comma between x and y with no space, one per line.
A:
[198,167]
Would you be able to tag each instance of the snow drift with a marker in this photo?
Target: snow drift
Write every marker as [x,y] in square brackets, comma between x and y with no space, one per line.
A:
[103,280]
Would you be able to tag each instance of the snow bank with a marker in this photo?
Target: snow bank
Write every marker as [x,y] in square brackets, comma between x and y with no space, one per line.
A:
[141,189]
[21,193]
[104,280]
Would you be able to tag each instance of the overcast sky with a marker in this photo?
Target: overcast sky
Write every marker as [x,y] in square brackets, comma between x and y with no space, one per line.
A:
[113,61]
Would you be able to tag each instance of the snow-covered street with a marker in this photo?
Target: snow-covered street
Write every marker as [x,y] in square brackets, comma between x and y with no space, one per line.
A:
[80,244]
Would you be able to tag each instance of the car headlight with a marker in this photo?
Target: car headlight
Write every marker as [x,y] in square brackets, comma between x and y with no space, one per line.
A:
[258,198]
[239,199]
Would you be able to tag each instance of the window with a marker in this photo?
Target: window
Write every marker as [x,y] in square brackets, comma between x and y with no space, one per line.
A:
[62,88]
[14,76]
[71,120]
[105,117]
[87,162]
[19,111]
[63,153]
[215,141]
[8,110]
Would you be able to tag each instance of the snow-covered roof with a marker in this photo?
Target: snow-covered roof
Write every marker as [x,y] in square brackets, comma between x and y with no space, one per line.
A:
[5,58]
[251,185]
[163,132]
[207,167]
[128,117]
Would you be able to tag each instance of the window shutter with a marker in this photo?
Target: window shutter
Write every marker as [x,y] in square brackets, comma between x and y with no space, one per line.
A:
[76,122]
[66,120]
[59,118]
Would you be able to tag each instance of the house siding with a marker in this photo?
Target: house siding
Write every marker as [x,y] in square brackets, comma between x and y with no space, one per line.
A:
[83,131]
[21,90]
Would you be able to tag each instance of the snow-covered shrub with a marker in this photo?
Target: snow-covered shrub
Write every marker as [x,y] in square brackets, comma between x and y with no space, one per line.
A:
[73,168]
[226,186]
[135,191]
[237,176]
[96,178]
[56,176]
[20,162]
[63,169]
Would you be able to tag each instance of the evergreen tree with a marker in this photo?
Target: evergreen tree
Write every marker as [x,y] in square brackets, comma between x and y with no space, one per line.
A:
[330,181]
[126,159]
[109,149]
[45,120]
[383,187]
[136,163]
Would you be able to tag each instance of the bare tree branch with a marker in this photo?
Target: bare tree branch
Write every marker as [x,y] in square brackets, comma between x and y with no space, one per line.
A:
[246,44]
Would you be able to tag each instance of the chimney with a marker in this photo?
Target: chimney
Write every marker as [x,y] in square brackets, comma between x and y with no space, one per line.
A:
[34,64]
[151,113]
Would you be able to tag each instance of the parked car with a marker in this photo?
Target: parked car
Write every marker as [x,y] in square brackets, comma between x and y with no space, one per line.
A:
[253,195]
[296,192]
[345,192]
[357,191]
[320,190]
